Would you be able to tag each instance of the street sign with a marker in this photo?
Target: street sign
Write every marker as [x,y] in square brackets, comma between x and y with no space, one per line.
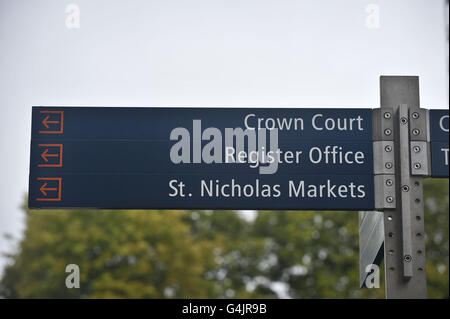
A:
[201,158]
[439,126]
[248,158]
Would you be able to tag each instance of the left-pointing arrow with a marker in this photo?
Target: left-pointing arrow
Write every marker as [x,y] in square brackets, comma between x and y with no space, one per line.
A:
[52,122]
[50,184]
[44,189]
[45,155]
[47,121]
[50,151]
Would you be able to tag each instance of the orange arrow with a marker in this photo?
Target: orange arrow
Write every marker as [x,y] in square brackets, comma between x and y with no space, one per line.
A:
[43,189]
[45,155]
[46,121]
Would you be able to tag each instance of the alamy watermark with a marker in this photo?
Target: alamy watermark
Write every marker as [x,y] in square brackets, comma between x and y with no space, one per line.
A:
[373,277]
[73,279]
[373,16]
[73,16]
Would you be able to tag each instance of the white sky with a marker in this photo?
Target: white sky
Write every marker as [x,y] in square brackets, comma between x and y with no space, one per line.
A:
[304,53]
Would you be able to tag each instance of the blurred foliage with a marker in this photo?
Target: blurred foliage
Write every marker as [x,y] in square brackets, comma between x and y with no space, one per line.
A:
[207,254]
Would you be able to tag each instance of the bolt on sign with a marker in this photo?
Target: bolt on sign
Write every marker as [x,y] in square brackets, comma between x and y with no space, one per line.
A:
[201,158]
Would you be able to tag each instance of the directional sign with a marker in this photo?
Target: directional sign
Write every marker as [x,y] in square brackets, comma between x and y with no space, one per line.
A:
[201,158]
[439,125]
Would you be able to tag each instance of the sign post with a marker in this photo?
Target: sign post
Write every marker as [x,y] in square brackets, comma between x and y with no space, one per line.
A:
[397,233]
[400,231]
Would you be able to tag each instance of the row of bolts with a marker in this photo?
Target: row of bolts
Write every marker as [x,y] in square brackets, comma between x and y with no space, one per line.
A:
[388,148]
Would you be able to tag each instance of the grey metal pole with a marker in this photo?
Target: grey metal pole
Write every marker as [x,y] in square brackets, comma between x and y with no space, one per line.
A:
[404,238]
[401,160]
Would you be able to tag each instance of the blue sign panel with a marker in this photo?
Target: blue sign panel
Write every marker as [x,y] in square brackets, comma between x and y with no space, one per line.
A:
[439,125]
[201,158]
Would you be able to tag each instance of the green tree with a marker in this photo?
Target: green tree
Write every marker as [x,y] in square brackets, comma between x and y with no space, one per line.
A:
[120,254]
[437,241]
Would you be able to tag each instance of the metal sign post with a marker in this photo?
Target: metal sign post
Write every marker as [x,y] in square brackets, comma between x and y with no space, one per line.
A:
[401,229]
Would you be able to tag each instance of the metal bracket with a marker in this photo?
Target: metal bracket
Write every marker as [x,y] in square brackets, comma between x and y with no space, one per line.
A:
[418,125]
[419,158]
[405,186]
[384,159]
[419,146]
[385,192]
[383,124]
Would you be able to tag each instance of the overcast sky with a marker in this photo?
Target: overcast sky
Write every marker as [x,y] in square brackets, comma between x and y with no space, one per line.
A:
[300,53]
